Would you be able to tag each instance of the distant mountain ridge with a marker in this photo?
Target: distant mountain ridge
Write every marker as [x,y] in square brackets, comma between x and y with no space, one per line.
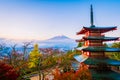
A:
[61,42]
[58,42]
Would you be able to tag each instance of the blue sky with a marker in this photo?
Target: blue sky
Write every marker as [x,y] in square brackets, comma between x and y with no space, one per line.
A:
[43,19]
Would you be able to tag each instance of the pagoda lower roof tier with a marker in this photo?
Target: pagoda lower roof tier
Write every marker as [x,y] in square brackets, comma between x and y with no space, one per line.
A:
[98,38]
[94,28]
[105,75]
[99,49]
[95,61]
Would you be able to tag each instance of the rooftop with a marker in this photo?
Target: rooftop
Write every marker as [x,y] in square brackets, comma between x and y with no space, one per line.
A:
[94,61]
[108,75]
[95,28]
[98,38]
[99,49]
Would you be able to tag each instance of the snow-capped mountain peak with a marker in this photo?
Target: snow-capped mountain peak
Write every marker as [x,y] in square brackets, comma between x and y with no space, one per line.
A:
[61,42]
[61,37]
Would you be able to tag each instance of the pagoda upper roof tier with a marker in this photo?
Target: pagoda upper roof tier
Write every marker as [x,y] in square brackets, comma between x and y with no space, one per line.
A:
[99,49]
[98,38]
[94,61]
[94,28]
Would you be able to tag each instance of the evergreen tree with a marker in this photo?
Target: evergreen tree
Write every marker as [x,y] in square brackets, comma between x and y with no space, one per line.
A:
[80,44]
[35,60]
[116,55]
[34,57]
[116,45]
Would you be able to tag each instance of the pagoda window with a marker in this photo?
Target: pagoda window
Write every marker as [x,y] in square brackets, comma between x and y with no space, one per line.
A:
[95,34]
[87,53]
[97,54]
[86,43]
[95,43]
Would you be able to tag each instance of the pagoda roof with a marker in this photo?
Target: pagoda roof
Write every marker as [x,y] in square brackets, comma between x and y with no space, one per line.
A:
[80,58]
[98,38]
[94,61]
[106,75]
[94,28]
[100,49]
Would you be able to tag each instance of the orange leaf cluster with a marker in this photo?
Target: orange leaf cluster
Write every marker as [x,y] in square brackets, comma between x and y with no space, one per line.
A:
[81,74]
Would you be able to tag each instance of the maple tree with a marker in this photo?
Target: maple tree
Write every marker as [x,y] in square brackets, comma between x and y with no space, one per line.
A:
[82,73]
[7,72]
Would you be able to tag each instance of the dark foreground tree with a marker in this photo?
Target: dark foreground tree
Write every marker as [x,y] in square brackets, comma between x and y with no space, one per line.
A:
[7,72]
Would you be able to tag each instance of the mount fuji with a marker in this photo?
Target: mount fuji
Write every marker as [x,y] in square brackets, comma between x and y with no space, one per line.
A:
[59,42]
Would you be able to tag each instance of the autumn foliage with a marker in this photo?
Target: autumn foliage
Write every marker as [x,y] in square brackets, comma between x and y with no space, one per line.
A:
[81,74]
[7,72]
[34,57]
[63,76]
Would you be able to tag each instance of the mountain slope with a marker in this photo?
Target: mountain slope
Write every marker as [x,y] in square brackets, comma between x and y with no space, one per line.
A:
[61,42]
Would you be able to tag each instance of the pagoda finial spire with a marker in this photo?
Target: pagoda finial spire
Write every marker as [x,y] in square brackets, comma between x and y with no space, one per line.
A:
[91,15]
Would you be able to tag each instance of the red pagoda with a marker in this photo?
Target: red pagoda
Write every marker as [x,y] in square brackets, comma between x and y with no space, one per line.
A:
[93,51]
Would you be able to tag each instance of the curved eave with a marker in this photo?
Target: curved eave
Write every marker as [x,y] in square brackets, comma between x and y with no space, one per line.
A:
[100,49]
[80,58]
[94,61]
[101,29]
[82,31]
[91,61]
[81,48]
[106,75]
[96,38]
[101,38]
